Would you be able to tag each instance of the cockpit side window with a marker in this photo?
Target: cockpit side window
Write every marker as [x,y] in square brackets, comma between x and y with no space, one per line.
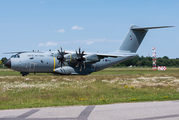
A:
[15,56]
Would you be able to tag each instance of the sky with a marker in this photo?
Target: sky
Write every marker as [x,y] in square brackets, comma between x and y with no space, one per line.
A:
[93,25]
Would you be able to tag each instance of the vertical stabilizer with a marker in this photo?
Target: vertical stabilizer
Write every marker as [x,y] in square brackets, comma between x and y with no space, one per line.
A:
[134,38]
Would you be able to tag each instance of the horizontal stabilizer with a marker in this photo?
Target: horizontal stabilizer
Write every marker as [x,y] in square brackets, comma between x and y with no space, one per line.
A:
[144,28]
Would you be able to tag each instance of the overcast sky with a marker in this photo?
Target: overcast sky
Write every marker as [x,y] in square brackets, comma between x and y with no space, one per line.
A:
[93,25]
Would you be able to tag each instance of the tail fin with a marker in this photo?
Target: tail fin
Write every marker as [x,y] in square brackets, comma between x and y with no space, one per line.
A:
[134,37]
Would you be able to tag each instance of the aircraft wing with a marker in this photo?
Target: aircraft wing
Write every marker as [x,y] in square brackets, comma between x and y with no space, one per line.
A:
[115,55]
[107,55]
[71,52]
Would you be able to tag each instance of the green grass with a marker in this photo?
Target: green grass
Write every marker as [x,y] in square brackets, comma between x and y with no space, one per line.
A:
[103,87]
[113,71]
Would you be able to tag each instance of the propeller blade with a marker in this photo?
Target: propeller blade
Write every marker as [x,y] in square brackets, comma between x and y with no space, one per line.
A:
[61,57]
[78,64]
[84,64]
[80,59]
[81,63]
[79,50]
[62,54]
[61,64]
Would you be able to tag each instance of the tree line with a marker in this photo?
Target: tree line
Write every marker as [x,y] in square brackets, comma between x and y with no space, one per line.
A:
[147,62]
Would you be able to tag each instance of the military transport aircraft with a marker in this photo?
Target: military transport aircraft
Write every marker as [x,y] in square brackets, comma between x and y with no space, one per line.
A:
[65,62]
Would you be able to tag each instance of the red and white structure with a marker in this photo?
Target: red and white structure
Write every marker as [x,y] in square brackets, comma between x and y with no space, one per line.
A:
[154,62]
[162,68]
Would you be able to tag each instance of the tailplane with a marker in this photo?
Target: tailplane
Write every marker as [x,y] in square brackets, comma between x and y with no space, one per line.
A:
[134,38]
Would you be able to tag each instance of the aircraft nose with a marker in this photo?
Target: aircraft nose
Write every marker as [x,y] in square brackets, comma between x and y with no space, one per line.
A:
[8,63]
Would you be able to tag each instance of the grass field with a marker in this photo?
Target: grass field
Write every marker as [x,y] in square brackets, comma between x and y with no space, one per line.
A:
[112,85]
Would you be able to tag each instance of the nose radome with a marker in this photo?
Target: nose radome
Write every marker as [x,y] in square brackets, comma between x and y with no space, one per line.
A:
[8,63]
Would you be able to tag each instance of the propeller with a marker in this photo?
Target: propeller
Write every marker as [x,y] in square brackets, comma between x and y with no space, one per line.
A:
[80,59]
[61,57]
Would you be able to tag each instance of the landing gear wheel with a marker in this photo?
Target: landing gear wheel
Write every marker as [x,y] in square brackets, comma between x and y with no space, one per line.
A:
[24,73]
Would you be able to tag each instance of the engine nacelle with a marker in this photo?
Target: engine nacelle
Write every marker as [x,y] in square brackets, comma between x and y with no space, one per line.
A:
[70,57]
[91,58]
[66,70]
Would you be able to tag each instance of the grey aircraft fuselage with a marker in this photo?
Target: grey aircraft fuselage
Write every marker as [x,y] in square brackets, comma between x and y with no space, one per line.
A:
[49,62]
[37,62]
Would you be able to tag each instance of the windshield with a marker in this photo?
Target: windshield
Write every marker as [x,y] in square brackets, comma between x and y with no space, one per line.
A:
[15,56]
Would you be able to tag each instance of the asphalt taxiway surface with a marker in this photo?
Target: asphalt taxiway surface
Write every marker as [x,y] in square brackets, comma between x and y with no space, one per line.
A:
[168,110]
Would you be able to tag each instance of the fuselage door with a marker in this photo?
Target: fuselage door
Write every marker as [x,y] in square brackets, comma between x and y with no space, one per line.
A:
[32,67]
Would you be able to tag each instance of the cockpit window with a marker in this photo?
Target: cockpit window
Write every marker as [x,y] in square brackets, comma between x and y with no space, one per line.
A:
[15,56]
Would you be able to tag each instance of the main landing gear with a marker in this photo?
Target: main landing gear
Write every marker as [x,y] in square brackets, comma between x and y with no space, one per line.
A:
[24,73]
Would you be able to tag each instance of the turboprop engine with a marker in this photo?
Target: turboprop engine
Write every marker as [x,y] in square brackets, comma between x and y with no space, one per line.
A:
[88,58]
[91,58]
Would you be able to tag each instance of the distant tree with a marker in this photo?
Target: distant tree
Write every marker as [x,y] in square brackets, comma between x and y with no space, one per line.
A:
[149,58]
[134,62]
[165,57]
[143,62]
[139,63]
[4,60]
